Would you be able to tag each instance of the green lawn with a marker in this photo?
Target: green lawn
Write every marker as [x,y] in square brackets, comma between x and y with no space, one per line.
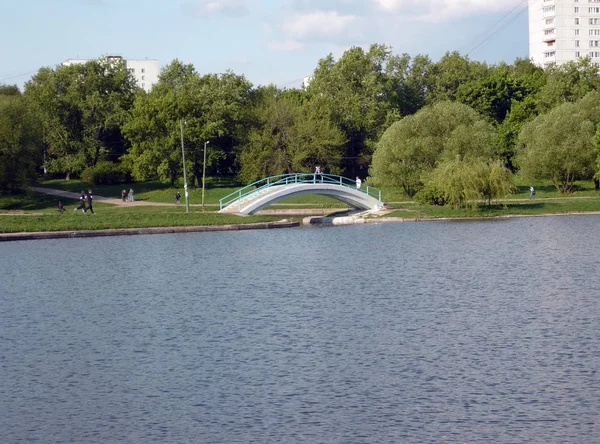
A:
[108,216]
[525,207]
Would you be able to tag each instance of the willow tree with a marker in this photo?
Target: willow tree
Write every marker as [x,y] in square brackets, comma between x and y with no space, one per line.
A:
[414,146]
[559,146]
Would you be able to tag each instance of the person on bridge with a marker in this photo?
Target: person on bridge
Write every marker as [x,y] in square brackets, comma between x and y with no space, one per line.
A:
[358,183]
[318,174]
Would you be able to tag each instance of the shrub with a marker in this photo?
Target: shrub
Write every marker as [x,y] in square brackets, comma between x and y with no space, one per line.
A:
[105,173]
[431,195]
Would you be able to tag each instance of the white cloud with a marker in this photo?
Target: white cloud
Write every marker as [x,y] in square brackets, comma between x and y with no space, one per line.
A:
[210,8]
[316,24]
[440,10]
[285,45]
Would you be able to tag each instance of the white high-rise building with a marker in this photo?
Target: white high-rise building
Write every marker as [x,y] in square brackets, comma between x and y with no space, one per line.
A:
[563,30]
[145,71]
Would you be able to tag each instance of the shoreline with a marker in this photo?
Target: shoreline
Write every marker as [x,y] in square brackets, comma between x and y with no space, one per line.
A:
[308,221]
[69,234]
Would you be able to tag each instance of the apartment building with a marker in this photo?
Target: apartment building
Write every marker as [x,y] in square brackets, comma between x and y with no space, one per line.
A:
[145,71]
[563,30]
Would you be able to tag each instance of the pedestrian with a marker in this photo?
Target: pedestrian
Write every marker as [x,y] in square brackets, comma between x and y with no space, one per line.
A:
[131,197]
[358,183]
[318,174]
[124,195]
[89,199]
[177,198]
[81,202]
[531,192]
[61,208]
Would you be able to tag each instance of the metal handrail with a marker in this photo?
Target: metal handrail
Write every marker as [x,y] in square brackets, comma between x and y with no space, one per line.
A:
[256,188]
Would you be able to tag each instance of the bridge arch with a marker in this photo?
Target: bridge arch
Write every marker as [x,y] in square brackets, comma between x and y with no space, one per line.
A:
[261,194]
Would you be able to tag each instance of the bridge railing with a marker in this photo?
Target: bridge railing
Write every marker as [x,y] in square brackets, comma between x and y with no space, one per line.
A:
[256,189]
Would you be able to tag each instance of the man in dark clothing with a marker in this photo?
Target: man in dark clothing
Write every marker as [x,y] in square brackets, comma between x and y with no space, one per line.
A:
[82,198]
[89,199]
[177,198]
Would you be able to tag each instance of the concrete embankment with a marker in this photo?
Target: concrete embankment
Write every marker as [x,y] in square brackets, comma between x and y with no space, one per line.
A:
[138,231]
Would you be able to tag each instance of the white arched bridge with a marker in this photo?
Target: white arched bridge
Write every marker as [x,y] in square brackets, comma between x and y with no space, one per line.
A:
[264,192]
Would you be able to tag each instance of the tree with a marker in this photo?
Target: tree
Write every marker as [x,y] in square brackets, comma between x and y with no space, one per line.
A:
[449,73]
[214,108]
[414,146]
[292,135]
[568,82]
[82,108]
[354,91]
[467,182]
[9,90]
[559,146]
[20,139]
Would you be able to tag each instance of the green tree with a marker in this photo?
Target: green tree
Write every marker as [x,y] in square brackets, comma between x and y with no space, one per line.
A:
[468,182]
[355,92]
[82,108]
[568,82]
[414,146]
[292,135]
[214,108]
[559,146]
[447,75]
[20,140]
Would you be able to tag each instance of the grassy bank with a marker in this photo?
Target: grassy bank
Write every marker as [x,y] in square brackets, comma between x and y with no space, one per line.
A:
[41,215]
[525,207]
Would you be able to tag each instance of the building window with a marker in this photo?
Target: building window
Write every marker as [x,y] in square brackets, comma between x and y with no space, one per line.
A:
[131,70]
[576,9]
[595,54]
[594,10]
[143,78]
[143,70]
[577,54]
[549,54]
[577,21]
[143,85]
[594,43]
[577,32]
[549,21]
[548,9]
[576,43]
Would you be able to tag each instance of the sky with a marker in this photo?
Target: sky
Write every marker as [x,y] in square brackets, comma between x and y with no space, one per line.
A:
[267,41]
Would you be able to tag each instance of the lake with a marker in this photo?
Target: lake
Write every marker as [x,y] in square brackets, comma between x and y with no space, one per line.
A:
[467,332]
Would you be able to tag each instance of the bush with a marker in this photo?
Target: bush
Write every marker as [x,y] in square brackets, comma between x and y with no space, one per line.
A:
[431,195]
[105,173]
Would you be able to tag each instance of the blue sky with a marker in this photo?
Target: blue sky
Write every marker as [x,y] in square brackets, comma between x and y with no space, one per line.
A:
[268,41]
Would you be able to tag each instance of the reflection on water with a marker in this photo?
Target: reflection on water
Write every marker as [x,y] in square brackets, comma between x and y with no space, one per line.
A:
[401,333]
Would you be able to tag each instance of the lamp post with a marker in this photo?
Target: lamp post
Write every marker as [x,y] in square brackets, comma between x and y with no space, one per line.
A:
[187,204]
[204,172]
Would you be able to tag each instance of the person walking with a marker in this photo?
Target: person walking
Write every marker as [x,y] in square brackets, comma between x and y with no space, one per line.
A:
[89,199]
[124,195]
[177,198]
[131,197]
[531,192]
[358,183]
[82,199]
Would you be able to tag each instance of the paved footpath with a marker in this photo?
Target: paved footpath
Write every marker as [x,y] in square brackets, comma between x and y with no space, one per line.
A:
[108,200]
[212,207]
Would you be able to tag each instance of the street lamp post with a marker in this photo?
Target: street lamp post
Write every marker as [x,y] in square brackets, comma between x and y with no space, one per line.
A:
[185,187]
[204,171]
